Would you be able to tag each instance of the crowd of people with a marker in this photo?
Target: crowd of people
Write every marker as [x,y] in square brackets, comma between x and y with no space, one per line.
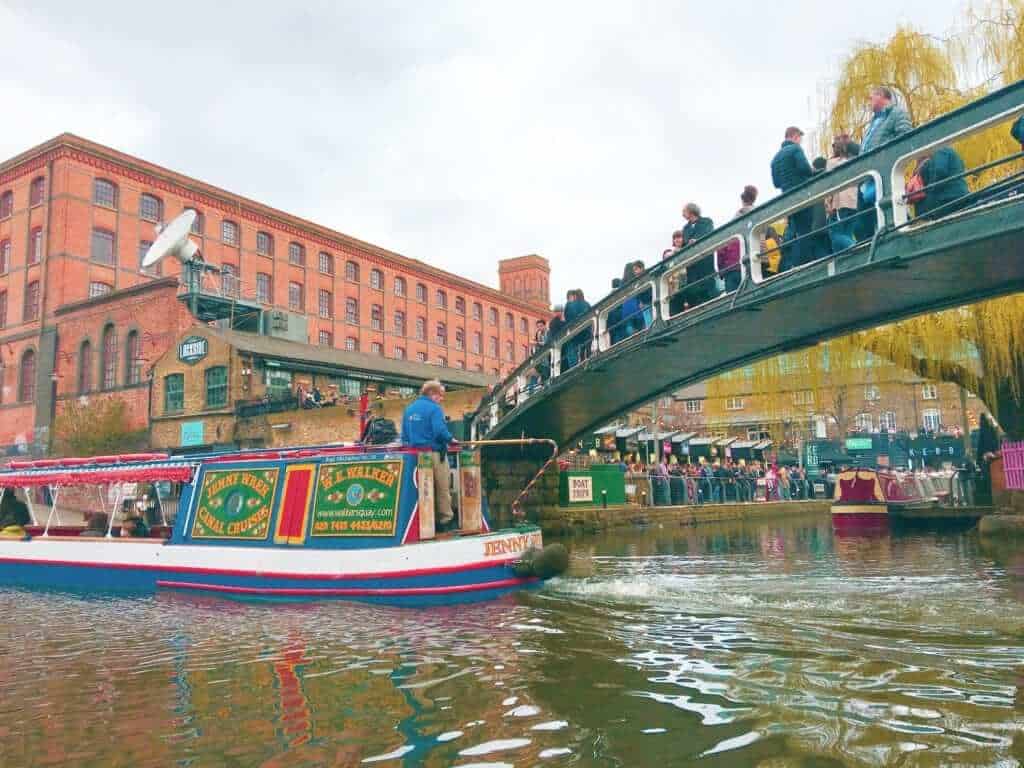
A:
[843,219]
[938,187]
[725,480]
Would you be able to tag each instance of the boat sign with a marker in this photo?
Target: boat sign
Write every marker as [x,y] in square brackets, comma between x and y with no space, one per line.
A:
[357,498]
[235,504]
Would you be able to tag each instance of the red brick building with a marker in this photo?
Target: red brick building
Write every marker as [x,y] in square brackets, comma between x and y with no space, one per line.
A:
[76,218]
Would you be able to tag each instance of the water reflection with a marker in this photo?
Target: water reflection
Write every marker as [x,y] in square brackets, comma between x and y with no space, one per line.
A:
[770,644]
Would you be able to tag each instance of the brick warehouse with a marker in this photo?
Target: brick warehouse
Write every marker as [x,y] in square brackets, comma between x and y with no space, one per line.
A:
[76,218]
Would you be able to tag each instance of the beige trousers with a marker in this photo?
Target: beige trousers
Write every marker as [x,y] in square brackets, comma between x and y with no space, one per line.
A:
[442,489]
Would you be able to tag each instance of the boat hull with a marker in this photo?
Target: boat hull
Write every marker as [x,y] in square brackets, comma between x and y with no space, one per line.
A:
[860,517]
[456,570]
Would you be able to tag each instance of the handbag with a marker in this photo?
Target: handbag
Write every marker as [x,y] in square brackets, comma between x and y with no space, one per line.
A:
[915,189]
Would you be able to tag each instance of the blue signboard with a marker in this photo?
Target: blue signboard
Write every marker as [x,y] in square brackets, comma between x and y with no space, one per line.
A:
[191,433]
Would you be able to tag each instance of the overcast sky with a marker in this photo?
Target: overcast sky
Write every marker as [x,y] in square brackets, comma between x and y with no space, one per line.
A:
[458,133]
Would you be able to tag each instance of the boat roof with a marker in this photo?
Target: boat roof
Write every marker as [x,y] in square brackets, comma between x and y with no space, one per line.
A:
[155,467]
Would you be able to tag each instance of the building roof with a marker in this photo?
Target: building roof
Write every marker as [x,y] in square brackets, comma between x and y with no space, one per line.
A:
[240,205]
[269,347]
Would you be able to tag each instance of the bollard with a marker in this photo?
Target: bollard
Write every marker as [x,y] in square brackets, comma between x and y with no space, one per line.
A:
[604,498]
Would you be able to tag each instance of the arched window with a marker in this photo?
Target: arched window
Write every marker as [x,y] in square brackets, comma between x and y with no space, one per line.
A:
[442,335]
[85,368]
[35,245]
[400,323]
[229,232]
[377,279]
[5,256]
[197,223]
[6,204]
[492,316]
[3,311]
[377,317]
[421,328]
[31,310]
[352,271]
[421,292]
[478,341]
[27,377]
[326,263]
[104,193]
[102,251]
[441,299]
[510,322]
[230,284]
[109,359]
[264,244]
[399,286]
[352,311]
[297,254]
[478,311]
[99,288]
[460,339]
[523,325]
[37,192]
[460,305]
[133,359]
[151,208]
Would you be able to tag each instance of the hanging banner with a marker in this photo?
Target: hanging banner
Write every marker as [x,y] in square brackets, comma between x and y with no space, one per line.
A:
[357,498]
[235,504]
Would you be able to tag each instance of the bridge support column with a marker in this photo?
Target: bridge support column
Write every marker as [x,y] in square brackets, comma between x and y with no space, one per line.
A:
[506,471]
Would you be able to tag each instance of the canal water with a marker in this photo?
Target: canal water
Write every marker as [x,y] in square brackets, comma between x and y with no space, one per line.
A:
[769,644]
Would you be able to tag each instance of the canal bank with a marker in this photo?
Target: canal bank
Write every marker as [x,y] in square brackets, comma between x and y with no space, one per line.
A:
[557,520]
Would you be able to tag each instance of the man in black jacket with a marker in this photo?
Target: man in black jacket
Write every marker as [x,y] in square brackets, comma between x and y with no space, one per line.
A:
[790,169]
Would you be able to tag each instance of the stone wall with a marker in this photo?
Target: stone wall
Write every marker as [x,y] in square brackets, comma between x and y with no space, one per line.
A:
[572,520]
[507,471]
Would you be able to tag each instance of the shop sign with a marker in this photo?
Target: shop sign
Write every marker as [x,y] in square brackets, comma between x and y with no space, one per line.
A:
[193,349]
[581,488]
[858,443]
[235,504]
[357,498]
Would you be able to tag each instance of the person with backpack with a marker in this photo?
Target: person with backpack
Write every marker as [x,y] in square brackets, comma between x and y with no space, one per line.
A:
[424,426]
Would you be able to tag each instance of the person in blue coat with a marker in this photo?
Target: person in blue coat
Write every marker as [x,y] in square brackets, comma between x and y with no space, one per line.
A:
[790,169]
[424,426]
[946,196]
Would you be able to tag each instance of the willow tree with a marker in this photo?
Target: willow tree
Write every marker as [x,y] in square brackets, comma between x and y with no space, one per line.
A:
[979,347]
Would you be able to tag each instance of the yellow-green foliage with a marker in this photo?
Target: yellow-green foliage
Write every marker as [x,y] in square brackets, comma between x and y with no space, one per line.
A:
[96,427]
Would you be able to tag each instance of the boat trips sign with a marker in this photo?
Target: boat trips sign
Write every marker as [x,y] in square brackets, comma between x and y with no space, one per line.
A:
[358,498]
[235,504]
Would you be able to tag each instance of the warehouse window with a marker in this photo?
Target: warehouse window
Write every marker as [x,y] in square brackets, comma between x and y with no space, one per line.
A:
[216,387]
[104,193]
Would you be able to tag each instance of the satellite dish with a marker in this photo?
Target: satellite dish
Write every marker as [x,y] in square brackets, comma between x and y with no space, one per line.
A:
[173,239]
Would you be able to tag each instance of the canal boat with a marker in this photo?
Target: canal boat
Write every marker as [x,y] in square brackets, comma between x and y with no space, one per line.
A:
[320,522]
[873,498]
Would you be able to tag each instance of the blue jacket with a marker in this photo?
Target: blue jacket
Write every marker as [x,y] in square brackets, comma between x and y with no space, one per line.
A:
[944,162]
[891,123]
[1017,129]
[576,309]
[423,425]
[790,167]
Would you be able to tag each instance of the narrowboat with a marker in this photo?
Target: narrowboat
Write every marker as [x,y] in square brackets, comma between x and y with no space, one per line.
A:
[873,498]
[351,522]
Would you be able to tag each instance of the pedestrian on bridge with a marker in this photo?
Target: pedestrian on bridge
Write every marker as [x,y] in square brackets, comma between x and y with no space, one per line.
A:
[843,204]
[944,197]
[697,226]
[790,169]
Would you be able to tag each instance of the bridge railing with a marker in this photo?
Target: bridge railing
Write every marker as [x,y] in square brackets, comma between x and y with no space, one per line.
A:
[704,273]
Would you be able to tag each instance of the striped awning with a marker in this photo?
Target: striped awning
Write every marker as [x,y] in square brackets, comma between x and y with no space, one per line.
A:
[177,472]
